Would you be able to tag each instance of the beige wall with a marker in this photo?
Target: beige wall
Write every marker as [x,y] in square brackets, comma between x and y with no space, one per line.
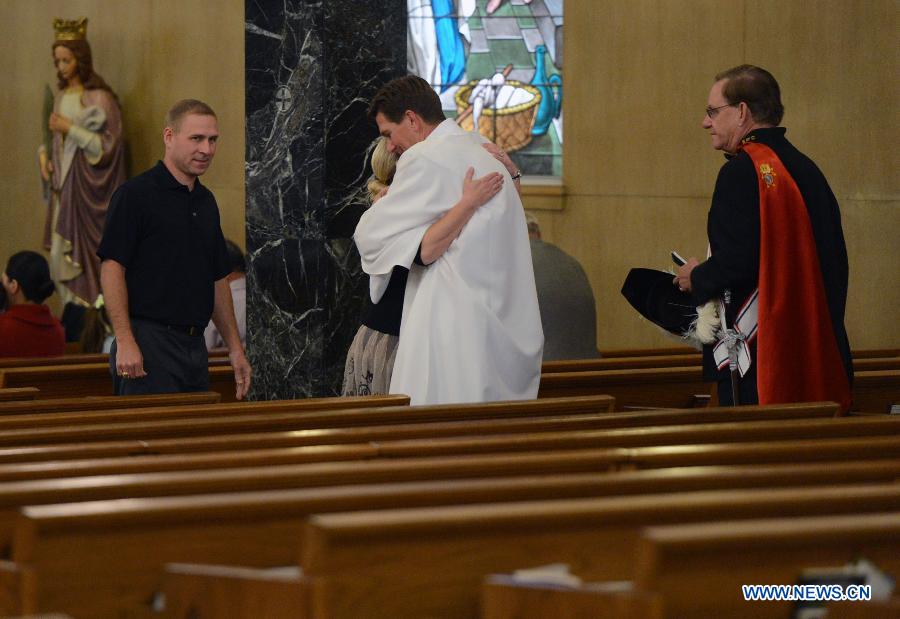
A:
[639,170]
[152,54]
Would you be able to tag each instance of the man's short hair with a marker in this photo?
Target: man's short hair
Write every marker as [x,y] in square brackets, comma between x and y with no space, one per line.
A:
[183,108]
[409,92]
[757,88]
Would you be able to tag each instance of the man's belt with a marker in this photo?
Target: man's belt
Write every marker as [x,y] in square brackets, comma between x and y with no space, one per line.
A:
[738,338]
[191,330]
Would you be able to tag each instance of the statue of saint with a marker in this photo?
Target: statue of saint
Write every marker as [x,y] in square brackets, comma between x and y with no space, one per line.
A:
[84,165]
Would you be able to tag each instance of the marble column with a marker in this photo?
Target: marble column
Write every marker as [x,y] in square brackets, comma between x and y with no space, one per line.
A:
[311,68]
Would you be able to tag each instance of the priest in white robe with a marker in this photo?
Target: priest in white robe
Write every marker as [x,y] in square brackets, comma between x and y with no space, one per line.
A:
[471,327]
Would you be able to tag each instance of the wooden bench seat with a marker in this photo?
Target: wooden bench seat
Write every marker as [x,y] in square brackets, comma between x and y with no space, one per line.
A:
[248,479]
[80,359]
[217,459]
[17,394]
[864,353]
[15,414]
[679,387]
[93,379]
[790,429]
[229,431]
[682,565]
[216,591]
[105,558]
[216,451]
[298,429]
[621,363]
[876,390]
[429,562]
[504,597]
[70,412]
[887,362]
[812,450]
[674,387]
[680,573]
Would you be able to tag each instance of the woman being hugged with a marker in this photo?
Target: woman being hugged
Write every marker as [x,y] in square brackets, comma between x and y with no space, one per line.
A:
[370,360]
[85,164]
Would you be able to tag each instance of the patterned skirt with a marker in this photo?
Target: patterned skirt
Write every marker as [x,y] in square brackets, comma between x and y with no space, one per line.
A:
[370,362]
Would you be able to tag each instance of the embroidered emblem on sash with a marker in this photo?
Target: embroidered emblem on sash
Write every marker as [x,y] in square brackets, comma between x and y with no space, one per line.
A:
[768,175]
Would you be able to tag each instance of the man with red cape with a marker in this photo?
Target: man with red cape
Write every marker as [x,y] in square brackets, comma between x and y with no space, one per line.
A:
[777,250]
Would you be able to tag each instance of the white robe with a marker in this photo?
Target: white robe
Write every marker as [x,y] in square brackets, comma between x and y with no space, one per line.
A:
[471,328]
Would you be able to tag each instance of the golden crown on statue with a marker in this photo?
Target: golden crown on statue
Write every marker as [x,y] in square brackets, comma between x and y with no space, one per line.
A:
[70,29]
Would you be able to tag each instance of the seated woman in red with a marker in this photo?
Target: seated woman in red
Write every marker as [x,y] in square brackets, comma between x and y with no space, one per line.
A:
[27,328]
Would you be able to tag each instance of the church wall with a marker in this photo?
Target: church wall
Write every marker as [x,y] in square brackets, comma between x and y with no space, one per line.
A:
[638,170]
[152,54]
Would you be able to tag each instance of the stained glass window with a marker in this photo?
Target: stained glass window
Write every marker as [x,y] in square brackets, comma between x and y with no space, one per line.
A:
[497,65]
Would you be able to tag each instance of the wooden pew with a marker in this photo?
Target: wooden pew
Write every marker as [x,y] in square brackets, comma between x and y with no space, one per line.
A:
[13,414]
[865,353]
[69,412]
[880,609]
[876,390]
[814,450]
[618,432]
[294,415]
[647,352]
[429,562]
[177,483]
[104,558]
[17,394]
[214,591]
[503,597]
[860,364]
[92,379]
[236,421]
[78,359]
[639,437]
[620,363]
[680,571]
[674,387]
[683,565]
[132,465]
[612,431]
[678,387]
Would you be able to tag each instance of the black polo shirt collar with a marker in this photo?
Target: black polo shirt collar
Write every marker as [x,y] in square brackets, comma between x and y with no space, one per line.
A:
[166,180]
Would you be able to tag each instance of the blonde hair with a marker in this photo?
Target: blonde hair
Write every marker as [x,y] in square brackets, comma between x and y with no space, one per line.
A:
[384,163]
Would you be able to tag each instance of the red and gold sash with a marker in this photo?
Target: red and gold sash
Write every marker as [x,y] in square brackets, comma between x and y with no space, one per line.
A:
[797,354]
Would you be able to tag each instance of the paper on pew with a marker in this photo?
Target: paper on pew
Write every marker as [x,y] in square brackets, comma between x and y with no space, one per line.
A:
[882,584]
[552,574]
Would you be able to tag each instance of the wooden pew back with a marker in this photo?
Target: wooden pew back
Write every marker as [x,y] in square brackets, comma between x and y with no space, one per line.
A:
[105,558]
[683,564]
[429,562]
[69,412]
[93,379]
[18,414]
[17,394]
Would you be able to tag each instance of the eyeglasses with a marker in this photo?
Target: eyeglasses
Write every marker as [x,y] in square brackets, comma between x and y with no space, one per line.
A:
[713,111]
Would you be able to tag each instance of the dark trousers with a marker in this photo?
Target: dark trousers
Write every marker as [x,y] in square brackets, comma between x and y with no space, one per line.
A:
[747,391]
[175,361]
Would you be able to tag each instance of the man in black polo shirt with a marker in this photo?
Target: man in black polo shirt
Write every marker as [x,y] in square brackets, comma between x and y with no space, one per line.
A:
[165,267]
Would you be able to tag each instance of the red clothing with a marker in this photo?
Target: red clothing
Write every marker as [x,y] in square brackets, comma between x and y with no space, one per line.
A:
[798,355]
[28,330]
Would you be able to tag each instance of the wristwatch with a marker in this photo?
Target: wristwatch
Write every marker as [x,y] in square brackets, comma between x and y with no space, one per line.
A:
[517,175]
